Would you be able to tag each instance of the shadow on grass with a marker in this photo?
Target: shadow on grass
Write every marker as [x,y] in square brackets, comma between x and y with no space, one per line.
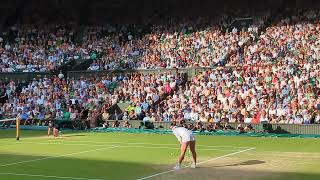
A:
[74,168]
[245,163]
[74,135]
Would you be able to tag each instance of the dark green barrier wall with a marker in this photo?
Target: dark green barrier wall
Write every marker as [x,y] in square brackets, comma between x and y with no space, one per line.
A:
[274,128]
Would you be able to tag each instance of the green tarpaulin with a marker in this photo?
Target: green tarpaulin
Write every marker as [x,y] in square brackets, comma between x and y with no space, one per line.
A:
[217,133]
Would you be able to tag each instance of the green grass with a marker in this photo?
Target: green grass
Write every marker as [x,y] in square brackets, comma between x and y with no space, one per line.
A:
[125,156]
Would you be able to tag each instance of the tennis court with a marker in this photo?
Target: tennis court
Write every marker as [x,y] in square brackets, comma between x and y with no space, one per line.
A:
[88,156]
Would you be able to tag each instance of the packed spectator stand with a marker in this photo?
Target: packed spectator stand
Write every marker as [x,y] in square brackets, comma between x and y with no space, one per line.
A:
[266,72]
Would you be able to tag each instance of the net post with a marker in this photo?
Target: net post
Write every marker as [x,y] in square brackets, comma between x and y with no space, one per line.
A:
[18,128]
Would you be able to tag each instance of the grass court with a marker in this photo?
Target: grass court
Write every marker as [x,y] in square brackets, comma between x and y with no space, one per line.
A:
[128,156]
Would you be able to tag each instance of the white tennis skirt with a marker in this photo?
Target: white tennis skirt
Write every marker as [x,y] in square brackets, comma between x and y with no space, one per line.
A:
[188,137]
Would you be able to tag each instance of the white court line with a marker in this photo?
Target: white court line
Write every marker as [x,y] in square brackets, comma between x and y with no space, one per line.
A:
[122,142]
[133,143]
[51,157]
[166,147]
[142,143]
[5,140]
[46,176]
[11,119]
[123,146]
[220,157]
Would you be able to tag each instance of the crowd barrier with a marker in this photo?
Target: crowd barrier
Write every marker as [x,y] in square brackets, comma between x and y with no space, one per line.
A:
[311,129]
[270,128]
[42,124]
[25,76]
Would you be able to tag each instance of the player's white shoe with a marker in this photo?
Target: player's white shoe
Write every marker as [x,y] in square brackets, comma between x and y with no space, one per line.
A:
[193,165]
[177,167]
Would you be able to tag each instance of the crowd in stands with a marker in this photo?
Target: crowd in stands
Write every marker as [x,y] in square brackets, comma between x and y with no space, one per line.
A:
[31,48]
[250,94]
[290,41]
[181,46]
[117,46]
[87,98]
[268,77]
[274,93]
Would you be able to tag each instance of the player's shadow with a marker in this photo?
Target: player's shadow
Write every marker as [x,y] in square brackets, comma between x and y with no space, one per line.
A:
[74,135]
[245,163]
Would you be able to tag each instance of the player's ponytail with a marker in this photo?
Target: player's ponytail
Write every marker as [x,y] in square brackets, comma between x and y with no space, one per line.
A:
[173,125]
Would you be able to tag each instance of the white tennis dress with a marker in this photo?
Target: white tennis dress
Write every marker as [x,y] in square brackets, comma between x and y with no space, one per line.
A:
[183,134]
